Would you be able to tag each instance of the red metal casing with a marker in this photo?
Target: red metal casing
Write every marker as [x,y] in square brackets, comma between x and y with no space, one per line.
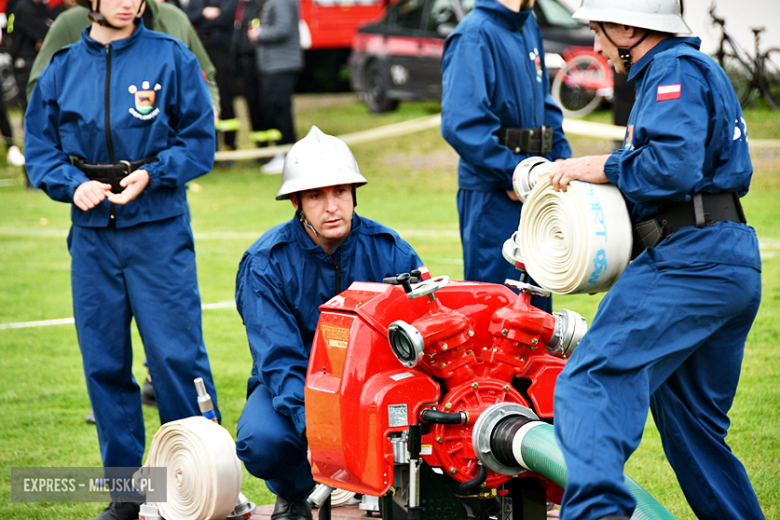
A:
[478,338]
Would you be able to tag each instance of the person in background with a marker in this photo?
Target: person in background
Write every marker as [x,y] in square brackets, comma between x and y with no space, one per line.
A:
[213,21]
[243,54]
[496,111]
[14,155]
[279,60]
[29,22]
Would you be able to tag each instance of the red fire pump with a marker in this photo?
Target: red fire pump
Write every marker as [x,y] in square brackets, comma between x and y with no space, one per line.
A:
[399,377]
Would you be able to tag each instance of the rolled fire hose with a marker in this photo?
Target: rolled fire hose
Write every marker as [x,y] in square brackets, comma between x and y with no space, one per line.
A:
[578,241]
[203,470]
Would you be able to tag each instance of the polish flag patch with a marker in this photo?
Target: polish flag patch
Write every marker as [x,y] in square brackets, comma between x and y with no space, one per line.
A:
[667,92]
[424,273]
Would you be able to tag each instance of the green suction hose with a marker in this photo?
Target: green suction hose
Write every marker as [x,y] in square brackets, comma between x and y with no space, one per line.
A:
[535,448]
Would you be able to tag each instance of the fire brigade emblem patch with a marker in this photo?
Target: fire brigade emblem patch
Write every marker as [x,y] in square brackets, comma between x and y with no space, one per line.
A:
[143,100]
[536,58]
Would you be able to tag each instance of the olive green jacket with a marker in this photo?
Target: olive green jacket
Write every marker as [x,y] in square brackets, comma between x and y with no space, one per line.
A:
[166,18]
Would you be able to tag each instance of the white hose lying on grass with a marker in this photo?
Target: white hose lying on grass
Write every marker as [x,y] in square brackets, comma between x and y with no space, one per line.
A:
[204,473]
[578,241]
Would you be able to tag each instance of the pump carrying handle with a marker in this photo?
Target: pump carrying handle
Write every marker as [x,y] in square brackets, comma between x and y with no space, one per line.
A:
[428,287]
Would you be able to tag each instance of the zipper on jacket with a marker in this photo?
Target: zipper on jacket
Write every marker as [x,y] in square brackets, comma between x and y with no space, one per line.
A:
[337,266]
[107,101]
[530,77]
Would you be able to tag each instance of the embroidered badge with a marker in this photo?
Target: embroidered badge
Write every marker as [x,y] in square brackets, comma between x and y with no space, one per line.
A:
[144,99]
[534,57]
[666,92]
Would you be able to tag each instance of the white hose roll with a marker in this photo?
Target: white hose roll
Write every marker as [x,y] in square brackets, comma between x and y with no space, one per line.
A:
[527,173]
[578,241]
[204,473]
[341,497]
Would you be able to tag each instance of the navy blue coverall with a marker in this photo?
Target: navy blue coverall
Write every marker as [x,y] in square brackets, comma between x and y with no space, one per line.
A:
[671,333]
[282,280]
[139,261]
[493,76]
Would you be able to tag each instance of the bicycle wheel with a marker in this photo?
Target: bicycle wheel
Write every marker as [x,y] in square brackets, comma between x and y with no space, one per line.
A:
[573,88]
[770,80]
[740,76]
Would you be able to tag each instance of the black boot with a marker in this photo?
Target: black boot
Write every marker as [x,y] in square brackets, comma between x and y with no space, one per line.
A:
[120,511]
[147,393]
[284,510]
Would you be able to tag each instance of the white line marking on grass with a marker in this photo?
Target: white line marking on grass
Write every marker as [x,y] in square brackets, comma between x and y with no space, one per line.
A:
[33,232]
[44,323]
[221,305]
[69,321]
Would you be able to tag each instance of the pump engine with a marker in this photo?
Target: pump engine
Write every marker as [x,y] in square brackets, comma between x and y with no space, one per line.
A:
[414,391]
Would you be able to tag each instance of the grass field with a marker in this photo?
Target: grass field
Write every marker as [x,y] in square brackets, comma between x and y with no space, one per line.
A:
[412,186]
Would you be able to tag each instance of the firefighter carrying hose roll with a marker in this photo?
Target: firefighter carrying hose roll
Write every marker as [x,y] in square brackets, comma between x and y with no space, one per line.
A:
[282,280]
[131,243]
[670,334]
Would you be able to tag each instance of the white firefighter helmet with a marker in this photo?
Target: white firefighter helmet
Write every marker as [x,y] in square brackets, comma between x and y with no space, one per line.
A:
[316,161]
[656,15]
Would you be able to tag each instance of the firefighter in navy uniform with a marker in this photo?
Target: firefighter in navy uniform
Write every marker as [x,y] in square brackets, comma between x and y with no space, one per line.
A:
[282,280]
[131,243]
[670,334]
[496,111]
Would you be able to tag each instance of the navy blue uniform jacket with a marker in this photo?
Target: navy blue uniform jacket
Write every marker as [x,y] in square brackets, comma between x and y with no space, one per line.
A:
[494,76]
[96,102]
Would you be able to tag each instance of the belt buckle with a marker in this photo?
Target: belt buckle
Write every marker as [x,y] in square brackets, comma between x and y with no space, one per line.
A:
[128,166]
[545,144]
[116,177]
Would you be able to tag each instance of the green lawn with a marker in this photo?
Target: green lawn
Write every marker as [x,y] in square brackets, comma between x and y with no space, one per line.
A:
[412,186]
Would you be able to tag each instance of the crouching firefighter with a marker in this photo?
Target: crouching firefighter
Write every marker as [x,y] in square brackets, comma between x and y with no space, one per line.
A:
[117,124]
[282,280]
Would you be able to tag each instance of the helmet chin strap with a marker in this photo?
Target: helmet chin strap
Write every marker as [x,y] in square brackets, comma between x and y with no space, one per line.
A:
[623,52]
[99,19]
[302,218]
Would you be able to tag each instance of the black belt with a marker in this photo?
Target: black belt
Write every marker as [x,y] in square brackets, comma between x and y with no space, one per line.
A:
[705,209]
[110,173]
[527,140]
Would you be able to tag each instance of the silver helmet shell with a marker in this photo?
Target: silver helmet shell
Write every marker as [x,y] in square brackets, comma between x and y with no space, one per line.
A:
[317,161]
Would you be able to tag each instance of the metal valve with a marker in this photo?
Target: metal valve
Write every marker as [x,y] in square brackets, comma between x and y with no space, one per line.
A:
[527,288]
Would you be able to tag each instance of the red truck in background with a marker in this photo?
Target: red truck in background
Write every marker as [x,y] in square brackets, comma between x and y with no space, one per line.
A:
[327,28]
[331,24]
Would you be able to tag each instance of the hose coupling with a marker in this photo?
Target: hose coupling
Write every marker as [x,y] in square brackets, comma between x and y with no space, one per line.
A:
[570,327]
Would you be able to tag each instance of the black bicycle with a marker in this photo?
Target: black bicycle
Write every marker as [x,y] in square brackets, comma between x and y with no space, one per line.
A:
[749,74]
